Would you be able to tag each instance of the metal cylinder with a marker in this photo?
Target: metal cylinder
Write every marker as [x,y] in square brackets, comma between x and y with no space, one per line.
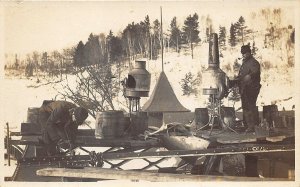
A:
[228,116]
[33,115]
[140,64]
[201,117]
[139,123]
[213,52]
[138,82]
[270,113]
[215,81]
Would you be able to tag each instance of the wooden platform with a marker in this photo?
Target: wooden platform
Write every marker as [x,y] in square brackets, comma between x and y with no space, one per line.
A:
[102,173]
[229,137]
[93,142]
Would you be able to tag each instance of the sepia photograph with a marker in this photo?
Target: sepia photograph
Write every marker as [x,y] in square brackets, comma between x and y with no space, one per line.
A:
[119,92]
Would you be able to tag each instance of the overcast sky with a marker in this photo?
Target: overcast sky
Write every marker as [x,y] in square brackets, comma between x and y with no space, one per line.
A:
[43,26]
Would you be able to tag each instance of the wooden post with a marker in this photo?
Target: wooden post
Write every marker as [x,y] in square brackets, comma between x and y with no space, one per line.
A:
[8,143]
[162,41]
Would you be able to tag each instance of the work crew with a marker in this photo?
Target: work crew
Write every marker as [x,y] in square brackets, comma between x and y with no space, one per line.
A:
[248,81]
[60,121]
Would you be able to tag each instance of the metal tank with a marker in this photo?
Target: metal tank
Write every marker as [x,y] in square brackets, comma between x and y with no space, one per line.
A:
[215,81]
[138,81]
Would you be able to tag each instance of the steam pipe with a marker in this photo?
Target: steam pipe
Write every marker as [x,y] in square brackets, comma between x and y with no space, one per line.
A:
[213,52]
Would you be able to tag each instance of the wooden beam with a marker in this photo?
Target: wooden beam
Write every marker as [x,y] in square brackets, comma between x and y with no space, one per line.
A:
[93,142]
[101,173]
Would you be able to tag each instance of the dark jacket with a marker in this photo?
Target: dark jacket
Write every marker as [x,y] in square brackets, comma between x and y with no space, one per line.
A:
[250,67]
[59,124]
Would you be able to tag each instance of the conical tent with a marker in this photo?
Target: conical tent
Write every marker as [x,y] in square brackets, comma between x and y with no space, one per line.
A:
[163,98]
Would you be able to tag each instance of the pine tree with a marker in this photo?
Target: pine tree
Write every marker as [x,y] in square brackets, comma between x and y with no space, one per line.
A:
[145,26]
[115,48]
[254,49]
[156,39]
[190,30]
[242,31]
[92,50]
[109,46]
[44,61]
[232,38]
[79,55]
[175,34]
[292,37]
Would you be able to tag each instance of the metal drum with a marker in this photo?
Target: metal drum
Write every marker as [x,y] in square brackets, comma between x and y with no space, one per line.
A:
[139,123]
[201,117]
[138,82]
[228,116]
[109,124]
[270,113]
[33,115]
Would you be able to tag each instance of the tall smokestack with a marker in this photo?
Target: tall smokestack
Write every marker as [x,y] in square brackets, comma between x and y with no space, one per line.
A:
[215,81]
[213,52]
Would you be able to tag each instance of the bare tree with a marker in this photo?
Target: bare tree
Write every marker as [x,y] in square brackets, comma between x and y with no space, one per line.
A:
[95,88]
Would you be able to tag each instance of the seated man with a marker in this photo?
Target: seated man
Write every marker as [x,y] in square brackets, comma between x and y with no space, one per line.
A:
[62,124]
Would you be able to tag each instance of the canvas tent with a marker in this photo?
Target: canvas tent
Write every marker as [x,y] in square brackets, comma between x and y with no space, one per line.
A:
[162,100]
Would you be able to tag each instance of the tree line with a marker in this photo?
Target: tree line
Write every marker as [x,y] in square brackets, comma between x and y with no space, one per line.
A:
[144,39]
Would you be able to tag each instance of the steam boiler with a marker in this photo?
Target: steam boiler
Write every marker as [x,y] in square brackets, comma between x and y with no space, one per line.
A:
[215,81]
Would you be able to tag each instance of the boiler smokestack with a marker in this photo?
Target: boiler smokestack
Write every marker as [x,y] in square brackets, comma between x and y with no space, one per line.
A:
[215,81]
[213,52]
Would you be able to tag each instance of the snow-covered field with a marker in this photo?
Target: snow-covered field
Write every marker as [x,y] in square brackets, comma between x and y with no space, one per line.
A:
[278,87]
[18,94]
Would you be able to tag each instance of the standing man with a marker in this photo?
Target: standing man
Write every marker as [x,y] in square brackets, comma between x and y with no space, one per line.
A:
[248,81]
[60,121]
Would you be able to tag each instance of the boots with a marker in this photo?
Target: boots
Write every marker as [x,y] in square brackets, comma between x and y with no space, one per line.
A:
[250,121]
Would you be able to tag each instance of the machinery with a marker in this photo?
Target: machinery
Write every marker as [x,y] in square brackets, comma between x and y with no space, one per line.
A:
[216,85]
[215,81]
[199,152]
[137,85]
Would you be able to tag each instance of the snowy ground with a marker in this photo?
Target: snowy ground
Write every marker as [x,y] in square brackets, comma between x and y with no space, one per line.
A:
[17,95]
[278,87]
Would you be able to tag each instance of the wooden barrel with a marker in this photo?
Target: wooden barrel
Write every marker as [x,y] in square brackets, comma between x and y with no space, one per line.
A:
[33,115]
[109,124]
[228,116]
[270,113]
[290,120]
[33,118]
[201,116]
[139,123]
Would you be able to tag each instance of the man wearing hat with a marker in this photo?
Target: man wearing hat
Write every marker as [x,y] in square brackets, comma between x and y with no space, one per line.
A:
[62,124]
[248,81]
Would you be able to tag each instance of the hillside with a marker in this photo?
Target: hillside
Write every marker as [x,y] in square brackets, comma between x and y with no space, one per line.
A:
[277,83]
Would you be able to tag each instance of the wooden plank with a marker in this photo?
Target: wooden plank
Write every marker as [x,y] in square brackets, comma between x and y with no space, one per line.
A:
[81,132]
[228,137]
[276,138]
[102,173]
[93,142]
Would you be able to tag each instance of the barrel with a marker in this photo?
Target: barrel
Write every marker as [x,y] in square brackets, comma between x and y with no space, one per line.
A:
[228,116]
[139,123]
[201,117]
[109,124]
[290,120]
[33,119]
[33,115]
[270,113]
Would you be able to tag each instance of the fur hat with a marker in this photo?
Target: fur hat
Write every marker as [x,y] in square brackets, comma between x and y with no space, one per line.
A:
[245,49]
[80,114]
